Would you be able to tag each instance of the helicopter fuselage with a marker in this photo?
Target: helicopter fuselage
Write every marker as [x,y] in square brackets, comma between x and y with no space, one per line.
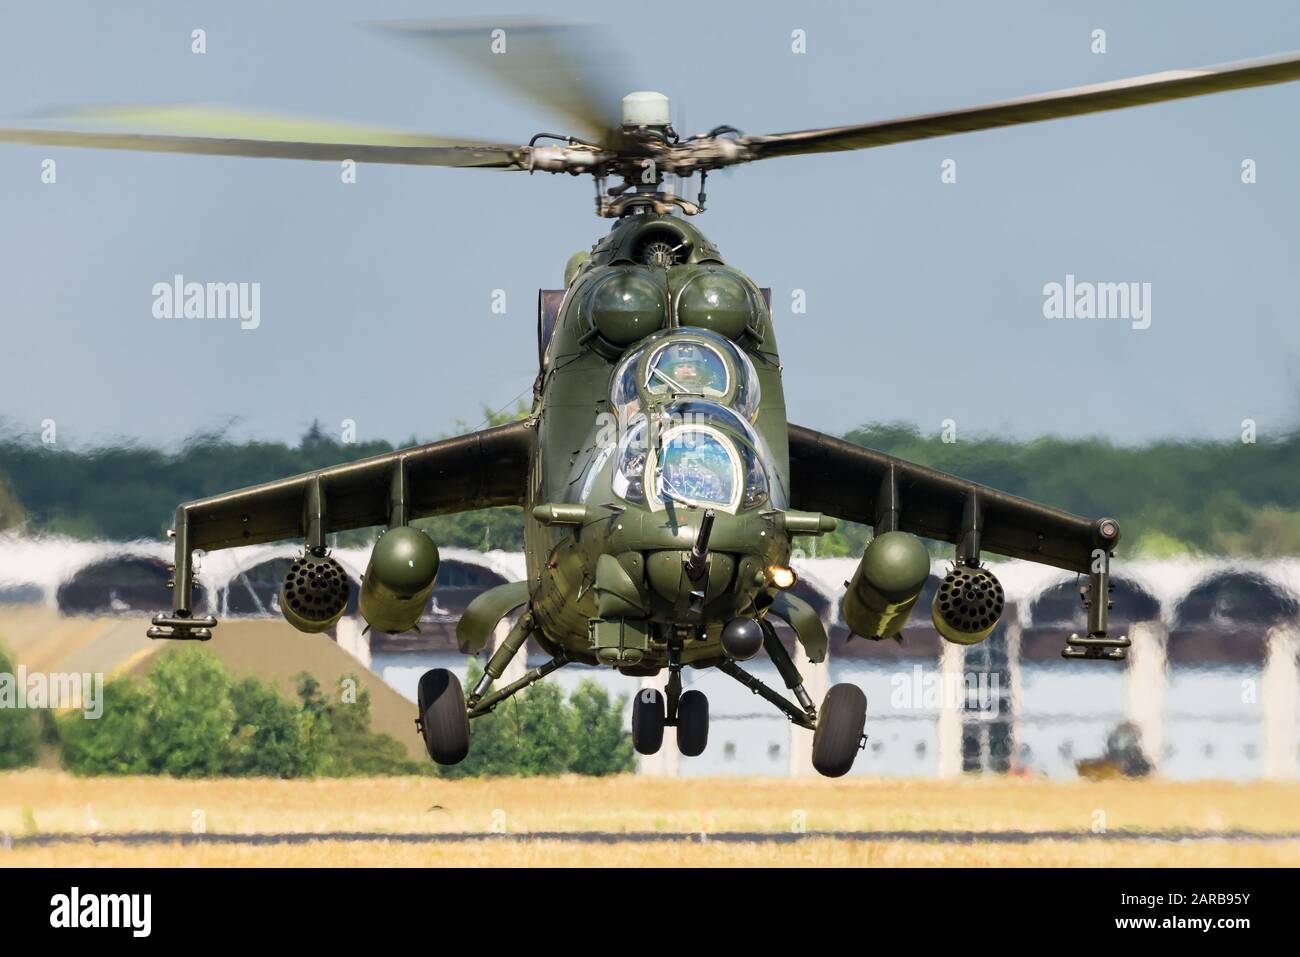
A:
[659,402]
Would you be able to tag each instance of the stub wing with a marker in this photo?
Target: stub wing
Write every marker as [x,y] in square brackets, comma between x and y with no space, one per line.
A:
[477,470]
[471,471]
[859,484]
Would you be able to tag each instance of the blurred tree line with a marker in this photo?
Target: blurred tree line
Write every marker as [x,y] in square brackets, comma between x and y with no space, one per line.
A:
[128,492]
[537,732]
[190,717]
[1172,497]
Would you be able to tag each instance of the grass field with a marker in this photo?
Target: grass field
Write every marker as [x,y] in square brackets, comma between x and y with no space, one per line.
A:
[45,802]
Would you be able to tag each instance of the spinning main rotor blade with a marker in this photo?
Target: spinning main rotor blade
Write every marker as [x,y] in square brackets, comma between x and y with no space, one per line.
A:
[212,132]
[567,67]
[1118,94]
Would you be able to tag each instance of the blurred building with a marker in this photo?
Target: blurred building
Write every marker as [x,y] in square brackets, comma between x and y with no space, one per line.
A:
[1211,687]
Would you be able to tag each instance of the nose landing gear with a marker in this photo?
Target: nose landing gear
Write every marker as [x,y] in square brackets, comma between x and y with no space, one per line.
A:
[687,711]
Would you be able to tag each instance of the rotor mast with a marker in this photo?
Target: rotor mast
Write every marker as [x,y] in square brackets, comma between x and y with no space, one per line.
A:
[645,138]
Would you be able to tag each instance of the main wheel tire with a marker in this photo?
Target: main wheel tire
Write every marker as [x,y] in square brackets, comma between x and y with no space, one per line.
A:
[445,720]
[838,737]
[692,723]
[648,721]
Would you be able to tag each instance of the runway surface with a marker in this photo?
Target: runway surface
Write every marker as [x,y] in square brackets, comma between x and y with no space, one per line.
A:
[139,838]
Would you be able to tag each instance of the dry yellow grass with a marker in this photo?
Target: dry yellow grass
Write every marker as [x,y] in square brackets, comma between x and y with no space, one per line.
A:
[811,853]
[50,801]
[61,802]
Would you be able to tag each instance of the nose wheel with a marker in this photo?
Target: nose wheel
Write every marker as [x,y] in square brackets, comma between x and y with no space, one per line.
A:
[692,723]
[650,717]
[648,721]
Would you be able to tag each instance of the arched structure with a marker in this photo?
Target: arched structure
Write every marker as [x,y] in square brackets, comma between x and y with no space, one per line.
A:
[132,584]
[1227,614]
[459,583]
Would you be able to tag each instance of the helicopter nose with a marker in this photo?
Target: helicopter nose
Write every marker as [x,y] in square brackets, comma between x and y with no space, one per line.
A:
[666,572]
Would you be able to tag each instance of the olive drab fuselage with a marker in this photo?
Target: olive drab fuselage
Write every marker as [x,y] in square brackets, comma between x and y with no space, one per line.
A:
[655,374]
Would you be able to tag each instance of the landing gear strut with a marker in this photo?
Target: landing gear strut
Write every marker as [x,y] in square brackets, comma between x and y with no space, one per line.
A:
[480,702]
[805,715]
[789,673]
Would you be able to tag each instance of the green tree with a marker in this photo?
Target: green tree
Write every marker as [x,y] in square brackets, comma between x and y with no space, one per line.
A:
[188,718]
[493,741]
[12,513]
[268,738]
[483,529]
[19,731]
[117,742]
[493,418]
[602,745]
[191,714]
[1270,532]
[313,718]
[538,732]
[529,734]
[547,730]
[341,736]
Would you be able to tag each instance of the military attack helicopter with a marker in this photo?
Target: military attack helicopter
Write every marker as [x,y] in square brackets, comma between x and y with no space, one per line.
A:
[662,485]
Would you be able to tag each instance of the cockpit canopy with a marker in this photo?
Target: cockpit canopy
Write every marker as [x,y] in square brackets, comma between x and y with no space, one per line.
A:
[697,465]
[685,365]
[685,402]
[703,456]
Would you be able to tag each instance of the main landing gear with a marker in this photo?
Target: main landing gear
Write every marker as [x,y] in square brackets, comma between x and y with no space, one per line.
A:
[838,737]
[443,721]
[445,712]
[838,730]
[648,721]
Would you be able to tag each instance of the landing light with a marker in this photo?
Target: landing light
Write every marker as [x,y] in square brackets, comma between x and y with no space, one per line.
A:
[782,576]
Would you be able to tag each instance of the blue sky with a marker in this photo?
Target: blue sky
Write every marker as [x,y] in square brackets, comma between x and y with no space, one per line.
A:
[925,299]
